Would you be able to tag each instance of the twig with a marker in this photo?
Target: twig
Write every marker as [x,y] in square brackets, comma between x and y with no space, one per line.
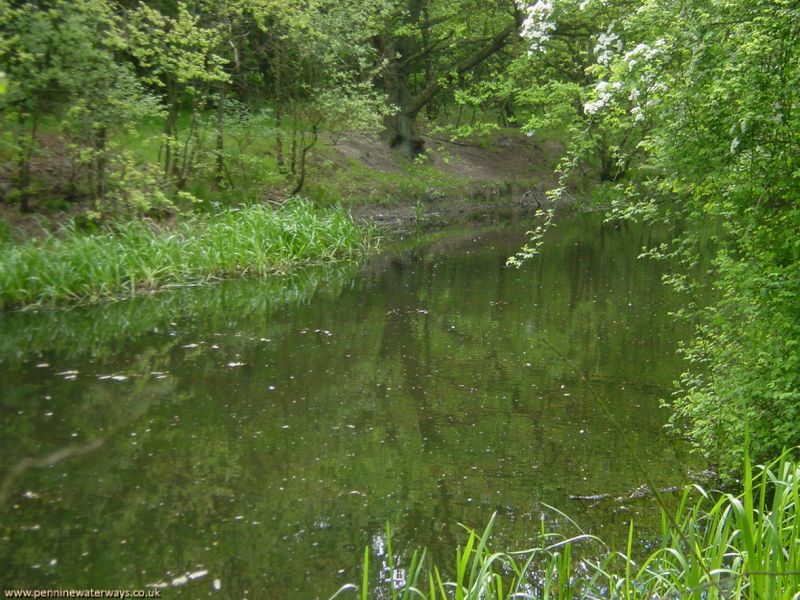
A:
[636,494]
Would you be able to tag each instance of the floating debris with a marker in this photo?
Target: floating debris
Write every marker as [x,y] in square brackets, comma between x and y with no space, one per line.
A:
[158,585]
[198,574]
[180,580]
[114,377]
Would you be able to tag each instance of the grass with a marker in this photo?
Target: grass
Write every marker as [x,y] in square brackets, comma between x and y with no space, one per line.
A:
[135,256]
[719,546]
[358,183]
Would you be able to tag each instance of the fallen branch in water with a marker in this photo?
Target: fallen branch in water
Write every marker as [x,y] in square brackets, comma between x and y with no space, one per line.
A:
[644,491]
[46,461]
[64,453]
[637,494]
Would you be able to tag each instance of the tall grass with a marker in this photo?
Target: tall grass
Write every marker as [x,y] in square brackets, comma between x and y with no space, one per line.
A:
[76,266]
[723,546]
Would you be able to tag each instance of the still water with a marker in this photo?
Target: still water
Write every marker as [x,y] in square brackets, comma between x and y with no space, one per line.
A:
[258,435]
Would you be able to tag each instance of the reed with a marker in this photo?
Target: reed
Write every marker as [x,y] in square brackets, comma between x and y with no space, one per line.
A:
[721,546]
[134,257]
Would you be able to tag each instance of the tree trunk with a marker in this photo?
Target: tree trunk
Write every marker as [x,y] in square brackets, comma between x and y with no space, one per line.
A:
[430,108]
[608,167]
[401,128]
[24,162]
[278,108]
[406,138]
[304,150]
[170,130]
[293,156]
[99,191]
[219,174]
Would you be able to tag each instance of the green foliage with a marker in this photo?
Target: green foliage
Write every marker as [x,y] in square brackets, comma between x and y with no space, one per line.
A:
[721,107]
[696,119]
[138,256]
[88,80]
[717,546]
[174,50]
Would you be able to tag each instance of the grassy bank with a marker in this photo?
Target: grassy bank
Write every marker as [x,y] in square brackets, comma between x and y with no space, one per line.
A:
[716,546]
[76,266]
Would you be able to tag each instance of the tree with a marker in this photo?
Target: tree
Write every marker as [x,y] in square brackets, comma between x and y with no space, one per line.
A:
[64,59]
[321,67]
[177,56]
[31,59]
[707,90]
[564,77]
[428,47]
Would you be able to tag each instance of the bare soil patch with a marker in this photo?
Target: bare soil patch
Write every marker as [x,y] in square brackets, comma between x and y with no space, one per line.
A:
[509,173]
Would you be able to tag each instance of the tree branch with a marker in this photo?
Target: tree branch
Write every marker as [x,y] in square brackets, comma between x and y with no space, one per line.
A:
[426,95]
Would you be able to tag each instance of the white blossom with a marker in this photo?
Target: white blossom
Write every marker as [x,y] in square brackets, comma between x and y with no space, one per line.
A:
[644,51]
[604,92]
[607,43]
[778,116]
[538,23]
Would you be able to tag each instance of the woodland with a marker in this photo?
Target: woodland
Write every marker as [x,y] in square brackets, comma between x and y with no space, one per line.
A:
[147,144]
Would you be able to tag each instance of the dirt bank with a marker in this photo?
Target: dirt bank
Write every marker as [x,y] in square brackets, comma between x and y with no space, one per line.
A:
[455,181]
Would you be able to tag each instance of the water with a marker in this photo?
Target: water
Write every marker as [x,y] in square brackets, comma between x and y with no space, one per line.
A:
[259,434]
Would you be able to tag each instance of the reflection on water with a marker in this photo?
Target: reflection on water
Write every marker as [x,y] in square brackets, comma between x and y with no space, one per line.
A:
[257,436]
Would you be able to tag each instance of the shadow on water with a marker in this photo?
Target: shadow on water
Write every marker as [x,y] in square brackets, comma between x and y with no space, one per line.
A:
[265,431]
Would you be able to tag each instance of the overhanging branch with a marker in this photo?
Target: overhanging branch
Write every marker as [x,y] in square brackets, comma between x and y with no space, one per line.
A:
[497,42]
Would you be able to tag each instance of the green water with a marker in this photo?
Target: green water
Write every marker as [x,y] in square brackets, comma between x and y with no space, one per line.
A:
[265,432]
